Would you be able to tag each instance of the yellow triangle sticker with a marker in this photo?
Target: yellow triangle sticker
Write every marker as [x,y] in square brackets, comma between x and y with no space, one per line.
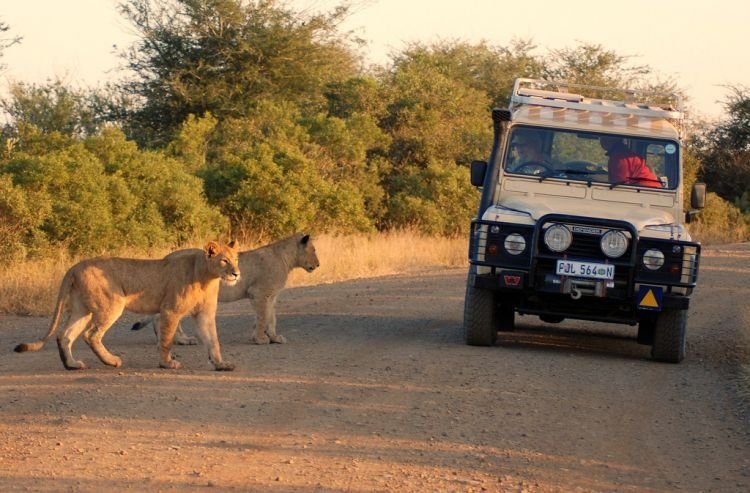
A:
[649,300]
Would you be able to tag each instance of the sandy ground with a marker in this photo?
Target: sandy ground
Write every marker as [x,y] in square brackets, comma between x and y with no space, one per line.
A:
[376,391]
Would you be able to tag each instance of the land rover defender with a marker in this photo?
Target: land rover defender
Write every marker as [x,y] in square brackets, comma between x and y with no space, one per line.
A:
[581,216]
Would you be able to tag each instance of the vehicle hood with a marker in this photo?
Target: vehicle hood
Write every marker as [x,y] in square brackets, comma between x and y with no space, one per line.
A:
[636,214]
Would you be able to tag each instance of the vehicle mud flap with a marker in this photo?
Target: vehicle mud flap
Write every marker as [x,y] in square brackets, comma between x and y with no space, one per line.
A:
[646,328]
[505,317]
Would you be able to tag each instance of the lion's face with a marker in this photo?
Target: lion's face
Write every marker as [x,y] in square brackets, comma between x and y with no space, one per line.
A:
[223,260]
[306,256]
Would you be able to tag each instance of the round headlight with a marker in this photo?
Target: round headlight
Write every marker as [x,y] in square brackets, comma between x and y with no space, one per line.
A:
[614,243]
[653,258]
[514,244]
[558,238]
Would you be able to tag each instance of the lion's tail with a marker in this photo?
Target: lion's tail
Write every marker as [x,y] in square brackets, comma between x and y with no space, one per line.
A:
[62,298]
[142,323]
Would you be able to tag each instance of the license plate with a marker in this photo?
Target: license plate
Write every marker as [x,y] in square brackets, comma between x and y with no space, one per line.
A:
[589,270]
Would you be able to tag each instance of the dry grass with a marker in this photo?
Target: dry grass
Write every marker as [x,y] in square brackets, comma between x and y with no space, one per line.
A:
[351,257]
[708,234]
[31,287]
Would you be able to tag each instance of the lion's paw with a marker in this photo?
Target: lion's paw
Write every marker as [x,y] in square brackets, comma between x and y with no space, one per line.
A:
[78,365]
[260,340]
[278,339]
[171,365]
[223,366]
[186,341]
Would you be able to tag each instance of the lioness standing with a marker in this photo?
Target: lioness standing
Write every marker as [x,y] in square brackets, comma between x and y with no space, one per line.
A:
[98,290]
[266,270]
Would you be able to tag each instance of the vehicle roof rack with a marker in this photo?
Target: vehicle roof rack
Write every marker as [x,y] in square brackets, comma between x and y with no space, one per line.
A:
[558,94]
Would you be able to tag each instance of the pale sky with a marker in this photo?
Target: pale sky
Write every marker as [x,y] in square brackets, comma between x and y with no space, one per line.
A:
[703,45]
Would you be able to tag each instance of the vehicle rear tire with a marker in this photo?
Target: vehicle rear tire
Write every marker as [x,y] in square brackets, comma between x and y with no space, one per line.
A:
[669,336]
[479,315]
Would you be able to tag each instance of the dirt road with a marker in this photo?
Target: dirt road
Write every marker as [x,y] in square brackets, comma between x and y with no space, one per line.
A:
[376,391]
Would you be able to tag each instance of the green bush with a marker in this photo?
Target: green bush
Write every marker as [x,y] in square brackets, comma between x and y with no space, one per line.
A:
[436,200]
[21,215]
[99,195]
[720,222]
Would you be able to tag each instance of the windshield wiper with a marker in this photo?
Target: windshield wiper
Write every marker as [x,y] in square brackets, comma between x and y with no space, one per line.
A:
[636,182]
[581,172]
[543,176]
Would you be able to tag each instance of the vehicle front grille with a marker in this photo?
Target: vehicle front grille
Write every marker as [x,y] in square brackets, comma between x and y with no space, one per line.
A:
[488,239]
[585,246]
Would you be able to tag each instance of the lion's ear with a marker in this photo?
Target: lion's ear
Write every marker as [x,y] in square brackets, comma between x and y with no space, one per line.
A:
[211,249]
[234,245]
[305,239]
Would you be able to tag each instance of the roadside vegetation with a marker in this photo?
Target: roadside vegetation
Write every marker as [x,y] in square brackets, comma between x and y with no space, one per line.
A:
[30,287]
[250,120]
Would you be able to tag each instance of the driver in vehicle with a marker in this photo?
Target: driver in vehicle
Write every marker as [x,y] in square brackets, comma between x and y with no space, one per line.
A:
[530,158]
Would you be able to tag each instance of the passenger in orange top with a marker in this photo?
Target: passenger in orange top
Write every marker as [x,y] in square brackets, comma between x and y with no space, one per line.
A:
[625,166]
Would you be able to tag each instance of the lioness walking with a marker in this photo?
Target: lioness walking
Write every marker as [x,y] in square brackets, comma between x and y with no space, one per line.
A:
[97,291]
[266,270]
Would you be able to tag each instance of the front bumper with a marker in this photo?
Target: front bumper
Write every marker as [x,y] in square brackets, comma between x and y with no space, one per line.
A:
[529,279]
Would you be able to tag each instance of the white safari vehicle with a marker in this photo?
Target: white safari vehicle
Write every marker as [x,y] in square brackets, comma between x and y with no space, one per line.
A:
[581,216]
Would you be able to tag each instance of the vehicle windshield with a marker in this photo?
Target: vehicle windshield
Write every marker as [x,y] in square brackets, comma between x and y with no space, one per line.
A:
[593,157]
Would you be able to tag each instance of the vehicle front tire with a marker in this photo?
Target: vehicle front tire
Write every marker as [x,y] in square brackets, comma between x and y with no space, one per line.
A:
[479,315]
[670,331]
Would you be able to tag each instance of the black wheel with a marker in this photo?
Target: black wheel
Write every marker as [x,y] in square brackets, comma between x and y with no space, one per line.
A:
[669,336]
[479,315]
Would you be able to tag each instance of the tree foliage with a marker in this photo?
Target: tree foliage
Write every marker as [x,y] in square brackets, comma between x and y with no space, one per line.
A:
[725,149]
[437,123]
[97,194]
[274,172]
[593,65]
[251,119]
[52,107]
[485,68]
[223,56]
[5,41]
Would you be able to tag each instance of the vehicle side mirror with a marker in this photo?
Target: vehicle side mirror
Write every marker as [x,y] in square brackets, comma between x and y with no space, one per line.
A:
[478,170]
[698,195]
[697,201]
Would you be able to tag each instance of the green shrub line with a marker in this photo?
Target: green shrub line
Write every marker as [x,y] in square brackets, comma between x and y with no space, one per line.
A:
[275,125]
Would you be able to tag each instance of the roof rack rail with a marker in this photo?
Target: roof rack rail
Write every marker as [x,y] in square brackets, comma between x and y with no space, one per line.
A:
[558,94]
